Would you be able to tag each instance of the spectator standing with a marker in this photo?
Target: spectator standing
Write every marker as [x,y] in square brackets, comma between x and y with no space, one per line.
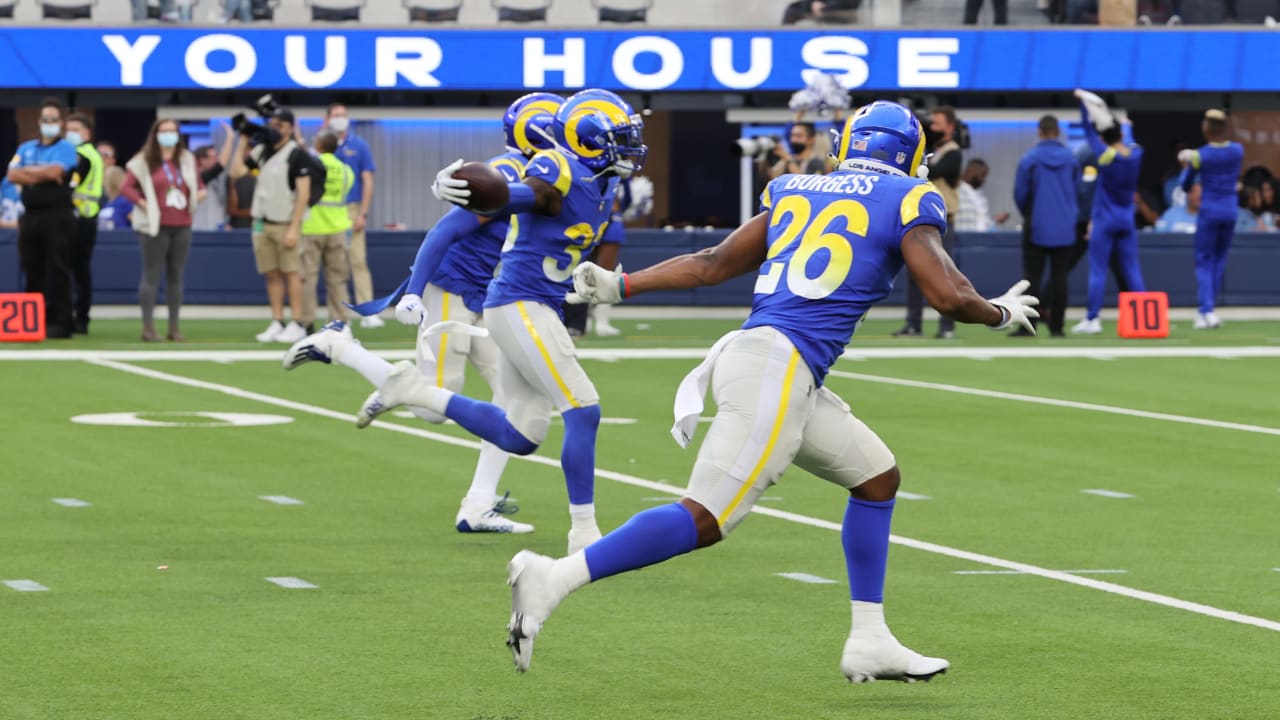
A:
[973,211]
[325,233]
[355,152]
[116,208]
[212,166]
[1182,215]
[973,7]
[86,195]
[48,224]
[1217,164]
[241,10]
[1045,192]
[944,171]
[107,152]
[798,154]
[279,206]
[164,187]
[10,204]
[240,197]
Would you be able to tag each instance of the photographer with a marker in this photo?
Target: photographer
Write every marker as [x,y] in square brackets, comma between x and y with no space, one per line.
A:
[946,135]
[279,207]
[798,154]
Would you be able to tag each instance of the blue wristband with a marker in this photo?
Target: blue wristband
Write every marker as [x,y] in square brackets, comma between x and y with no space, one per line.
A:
[521,198]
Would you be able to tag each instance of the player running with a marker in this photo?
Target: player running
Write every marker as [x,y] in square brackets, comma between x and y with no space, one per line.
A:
[1113,213]
[449,279]
[827,248]
[1218,164]
[558,212]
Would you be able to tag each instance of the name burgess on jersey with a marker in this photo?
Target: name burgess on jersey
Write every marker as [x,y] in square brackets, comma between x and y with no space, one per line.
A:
[835,184]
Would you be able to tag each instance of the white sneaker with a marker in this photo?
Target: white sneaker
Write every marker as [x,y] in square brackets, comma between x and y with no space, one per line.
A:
[271,334]
[490,518]
[533,599]
[579,538]
[372,322]
[373,407]
[292,333]
[604,329]
[875,654]
[1212,319]
[1201,322]
[1087,327]
[403,385]
[319,347]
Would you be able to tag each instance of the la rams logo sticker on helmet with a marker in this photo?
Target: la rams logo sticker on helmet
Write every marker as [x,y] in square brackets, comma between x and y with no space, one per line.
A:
[528,122]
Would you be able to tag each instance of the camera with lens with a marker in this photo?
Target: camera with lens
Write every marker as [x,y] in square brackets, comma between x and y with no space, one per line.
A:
[265,106]
[755,147]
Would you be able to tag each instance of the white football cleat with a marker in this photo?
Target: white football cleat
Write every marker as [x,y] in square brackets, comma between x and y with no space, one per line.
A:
[402,385]
[1087,327]
[1201,322]
[372,322]
[579,538]
[490,518]
[1212,319]
[319,347]
[604,329]
[875,654]
[271,333]
[292,333]
[370,410]
[533,599]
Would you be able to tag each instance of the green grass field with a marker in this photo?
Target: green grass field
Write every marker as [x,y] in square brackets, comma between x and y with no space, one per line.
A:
[408,620]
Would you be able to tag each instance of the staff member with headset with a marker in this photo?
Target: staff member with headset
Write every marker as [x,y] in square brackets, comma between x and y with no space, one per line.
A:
[325,234]
[279,206]
[86,196]
[44,168]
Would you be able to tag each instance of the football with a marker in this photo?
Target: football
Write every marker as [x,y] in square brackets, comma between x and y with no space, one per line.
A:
[488,187]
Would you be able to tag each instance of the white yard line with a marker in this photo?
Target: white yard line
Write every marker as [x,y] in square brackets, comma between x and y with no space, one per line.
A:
[693,353]
[1090,583]
[1109,493]
[1038,400]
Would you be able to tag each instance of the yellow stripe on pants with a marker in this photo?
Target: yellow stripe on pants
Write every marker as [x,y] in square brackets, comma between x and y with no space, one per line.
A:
[773,439]
[537,340]
[444,342]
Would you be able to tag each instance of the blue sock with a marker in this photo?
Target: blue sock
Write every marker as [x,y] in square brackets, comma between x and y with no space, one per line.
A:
[646,539]
[578,454]
[865,536]
[489,422]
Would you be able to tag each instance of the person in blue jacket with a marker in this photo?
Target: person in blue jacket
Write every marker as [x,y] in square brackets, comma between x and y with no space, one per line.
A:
[1045,192]
[1217,166]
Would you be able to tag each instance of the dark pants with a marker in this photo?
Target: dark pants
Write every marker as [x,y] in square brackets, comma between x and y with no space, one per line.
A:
[81,273]
[575,317]
[45,236]
[915,300]
[971,8]
[1034,258]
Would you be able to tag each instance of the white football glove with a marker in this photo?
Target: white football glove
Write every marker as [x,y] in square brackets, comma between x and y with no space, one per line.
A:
[593,284]
[449,188]
[409,310]
[1186,156]
[1018,308]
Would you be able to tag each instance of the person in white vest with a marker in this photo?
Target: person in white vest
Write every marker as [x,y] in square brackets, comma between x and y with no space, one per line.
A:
[162,184]
[279,207]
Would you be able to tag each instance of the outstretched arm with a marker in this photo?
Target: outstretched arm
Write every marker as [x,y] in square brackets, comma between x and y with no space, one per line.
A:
[951,293]
[740,253]
[456,224]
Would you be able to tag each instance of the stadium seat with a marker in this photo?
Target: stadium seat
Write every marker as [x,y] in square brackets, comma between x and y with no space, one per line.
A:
[445,12]
[265,9]
[522,14]
[635,12]
[77,10]
[1204,12]
[6,9]
[331,11]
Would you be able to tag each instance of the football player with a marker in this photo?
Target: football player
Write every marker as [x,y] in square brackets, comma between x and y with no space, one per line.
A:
[559,212]
[826,248]
[1217,165]
[449,279]
[1113,214]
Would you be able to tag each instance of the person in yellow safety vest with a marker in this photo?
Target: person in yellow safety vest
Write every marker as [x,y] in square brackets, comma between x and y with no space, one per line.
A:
[325,236]
[86,194]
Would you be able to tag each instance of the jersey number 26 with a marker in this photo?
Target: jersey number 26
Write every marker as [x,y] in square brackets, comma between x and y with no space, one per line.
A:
[796,211]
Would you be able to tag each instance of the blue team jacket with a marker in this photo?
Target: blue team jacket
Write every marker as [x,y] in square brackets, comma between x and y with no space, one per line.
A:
[1045,191]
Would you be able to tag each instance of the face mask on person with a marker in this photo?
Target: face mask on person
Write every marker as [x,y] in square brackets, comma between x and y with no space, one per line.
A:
[167,139]
[797,147]
[339,124]
[74,138]
[50,130]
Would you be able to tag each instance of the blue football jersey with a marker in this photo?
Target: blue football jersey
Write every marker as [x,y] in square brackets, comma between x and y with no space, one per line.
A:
[834,249]
[541,251]
[468,265]
[1218,165]
[1117,183]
